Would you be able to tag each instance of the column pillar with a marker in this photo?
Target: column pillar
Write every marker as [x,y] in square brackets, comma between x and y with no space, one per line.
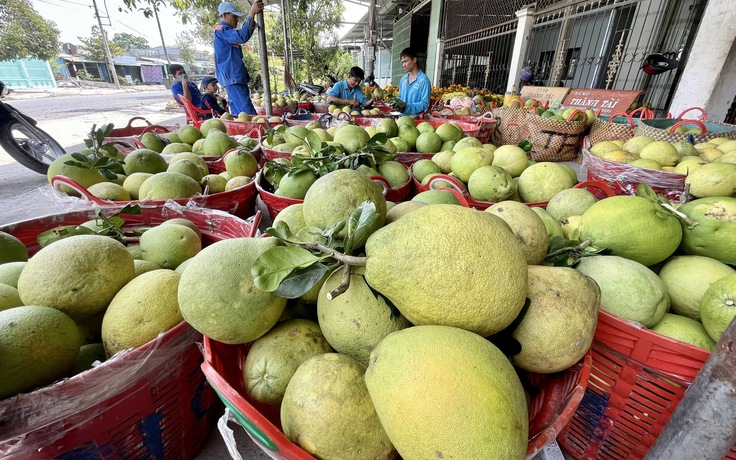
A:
[521,44]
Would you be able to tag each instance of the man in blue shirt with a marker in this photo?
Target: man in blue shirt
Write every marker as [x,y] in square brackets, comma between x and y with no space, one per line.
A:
[229,67]
[348,92]
[414,87]
[182,87]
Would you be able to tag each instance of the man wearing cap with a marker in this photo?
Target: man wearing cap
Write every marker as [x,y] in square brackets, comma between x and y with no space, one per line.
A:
[210,99]
[229,67]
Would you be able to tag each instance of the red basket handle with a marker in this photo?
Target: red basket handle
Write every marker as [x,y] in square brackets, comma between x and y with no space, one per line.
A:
[380,180]
[343,116]
[57,181]
[460,197]
[256,223]
[623,115]
[155,128]
[703,128]
[130,122]
[703,115]
[646,114]
[302,111]
[602,186]
[444,177]
[516,101]
[138,144]
[534,106]
[575,112]
[489,115]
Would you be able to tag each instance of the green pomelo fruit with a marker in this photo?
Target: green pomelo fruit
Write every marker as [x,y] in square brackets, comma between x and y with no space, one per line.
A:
[188,168]
[405,121]
[443,160]
[424,168]
[541,181]
[558,327]
[12,249]
[400,144]
[189,134]
[38,345]
[718,306]
[684,149]
[352,138]
[168,185]
[402,261]
[293,216]
[357,320]
[296,135]
[327,411]
[436,197]
[241,163]
[570,202]
[551,224]
[711,155]
[274,358]
[395,173]
[713,235]
[217,295]
[217,143]
[448,145]
[662,152]
[193,157]
[467,142]
[184,222]
[713,179]
[78,275]
[603,147]
[636,144]
[646,163]
[367,171]
[153,141]
[176,147]
[10,272]
[237,182]
[410,134]
[212,123]
[428,142]
[286,147]
[687,278]
[619,156]
[334,197]
[570,227]
[88,355]
[724,147]
[527,227]
[401,209]
[490,183]
[109,191]
[389,127]
[473,390]
[169,245]
[144,266]
[689,165]
[629,290]
[83,176]
[213,183]
[425,127]
[9,297]
[198,147]
[296,183]
[144,160]
[448,133]
[684,330]
[511,158]
[632,227]
[133,183]
[467,160]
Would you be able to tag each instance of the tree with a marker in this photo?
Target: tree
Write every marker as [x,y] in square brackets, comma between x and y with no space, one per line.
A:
[25,34]
[94,48]
[185,44]
[129,41]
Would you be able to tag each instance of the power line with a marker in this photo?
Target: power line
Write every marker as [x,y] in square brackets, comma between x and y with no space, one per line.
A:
[65,1]
[126,25]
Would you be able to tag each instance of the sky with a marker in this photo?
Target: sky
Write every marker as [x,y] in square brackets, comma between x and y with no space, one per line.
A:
[75,18]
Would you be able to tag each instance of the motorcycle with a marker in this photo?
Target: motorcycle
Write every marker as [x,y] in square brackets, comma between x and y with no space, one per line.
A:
[28,144]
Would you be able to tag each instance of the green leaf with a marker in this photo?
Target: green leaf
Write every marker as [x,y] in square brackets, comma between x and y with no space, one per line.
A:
[49,236]
[314,141]
[107,174]
[645,191]
[99,136]
[80,157]
[274,265]
[106,130]
[131,209]
[300,281]
[360,226]
[378,138]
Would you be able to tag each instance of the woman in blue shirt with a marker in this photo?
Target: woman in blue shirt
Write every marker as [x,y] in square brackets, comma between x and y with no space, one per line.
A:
[349,92]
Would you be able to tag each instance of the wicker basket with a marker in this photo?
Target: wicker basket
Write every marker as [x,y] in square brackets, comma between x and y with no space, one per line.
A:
[276,110]
[151,402]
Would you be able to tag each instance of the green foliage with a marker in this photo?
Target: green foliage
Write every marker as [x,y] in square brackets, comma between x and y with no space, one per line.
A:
[108,167]
[111,226]
[25,34]
[129,41]
[94,48]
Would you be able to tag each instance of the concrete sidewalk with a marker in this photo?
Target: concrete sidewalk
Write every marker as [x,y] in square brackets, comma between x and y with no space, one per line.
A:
[67,88]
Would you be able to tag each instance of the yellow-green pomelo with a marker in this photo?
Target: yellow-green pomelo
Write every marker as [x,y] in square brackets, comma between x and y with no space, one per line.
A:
[212,123]
[713,179]
[213,183]
[132,183]
[428,142]
[327,411]
[527,227]
[10,272]
[467,160]
[729,157]
[198,147]
[490,183]
[9,297]
[174,137]
[78,275]
[395,173]
[629,290]
[448,145]
[602,147]
[109,191]
[467,142]
[144,160]
[570,202]
[389,127]
[569,227]
[293,216]
[684,148]
[403,258]
[217,143]
[436,197]
[662,152]
[633,227]
[410,134]
[12,249]
[401,209]
[169,245]
[646,164]
[687,278]
[400,144]
[296,135]
[719,140]
[718,306]
[83,176]
[153,141]
[727,146]
[424,168]
[134,250]
[189,134]
[217,295]
[459,398]
[511,158]
[296,183]
[443,160]
[711,155]
[541,181]
[88,354]
[713,236]
[425,127]
[143,266]
[357,320]
[168,185]
[551,224]
[37,346]
[144,308]
[689,165]
[182,266]
[193,157]
[704,145]
[558,327]
[351,137]
[176,147]
[405,121]
[274,358]
[334,196]
[324,136]
[684,330]
[619,156]
[241,163]
[185,222]
[447,132]
[237,182]
[188,168]
[636,144]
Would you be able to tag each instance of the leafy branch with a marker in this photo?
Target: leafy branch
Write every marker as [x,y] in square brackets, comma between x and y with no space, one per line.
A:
[97,156]
[111,226]
[645,191]
[567,253]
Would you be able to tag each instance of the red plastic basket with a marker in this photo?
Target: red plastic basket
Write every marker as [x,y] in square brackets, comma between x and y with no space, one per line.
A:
[305,105]
[131,134]
[275,110]
[550,409]
[486,122]
[637,379]
[151,402]
[320,107]
[246,128]
[303,118]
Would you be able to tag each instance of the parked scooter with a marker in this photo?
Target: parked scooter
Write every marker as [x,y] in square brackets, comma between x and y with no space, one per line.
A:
[28,144]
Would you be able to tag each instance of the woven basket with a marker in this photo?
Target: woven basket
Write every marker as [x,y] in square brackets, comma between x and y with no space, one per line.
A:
[554,140]
[509,128]
[618,127]
[276,110]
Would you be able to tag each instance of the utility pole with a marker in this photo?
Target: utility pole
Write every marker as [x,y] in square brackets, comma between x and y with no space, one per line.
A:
[287,45]
[264,64]
[110,61]
[160,32]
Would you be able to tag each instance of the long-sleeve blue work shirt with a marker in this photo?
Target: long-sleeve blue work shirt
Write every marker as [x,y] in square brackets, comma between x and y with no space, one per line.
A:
[415,94]
[343,91]
[229,67]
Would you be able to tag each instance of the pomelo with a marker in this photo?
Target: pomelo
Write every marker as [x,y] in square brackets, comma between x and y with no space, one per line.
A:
[424,168]
[144,160]
[712,179]
[490,183]
[394,172]
[12,249]
[296,183]
[551,224]
[83,176]
[718,306]
[684,330]
[168,185]
[713,234]
[527,227]
[352,137]
[541,181]
[169,245]
[511,158]
[188,168]
[293,216]
[467,160]
[570,202]
[436,197]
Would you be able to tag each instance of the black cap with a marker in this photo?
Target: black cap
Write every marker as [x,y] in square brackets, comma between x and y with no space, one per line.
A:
[207,80]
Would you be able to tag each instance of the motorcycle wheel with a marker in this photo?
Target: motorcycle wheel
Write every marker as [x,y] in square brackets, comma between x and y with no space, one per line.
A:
[32,147]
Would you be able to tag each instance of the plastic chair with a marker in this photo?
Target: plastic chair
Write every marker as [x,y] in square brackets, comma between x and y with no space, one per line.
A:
[195,116]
